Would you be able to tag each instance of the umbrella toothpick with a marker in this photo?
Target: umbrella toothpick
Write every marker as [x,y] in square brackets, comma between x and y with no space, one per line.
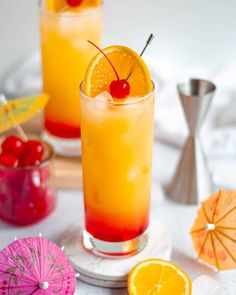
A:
[19,129]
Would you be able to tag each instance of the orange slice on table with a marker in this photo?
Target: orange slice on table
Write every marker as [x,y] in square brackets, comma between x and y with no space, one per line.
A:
[158,277]
[100,74]
[62,6]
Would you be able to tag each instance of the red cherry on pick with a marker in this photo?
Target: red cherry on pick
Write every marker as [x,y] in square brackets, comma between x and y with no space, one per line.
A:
[12,145]
[74,3]
[119,88]
[9,160]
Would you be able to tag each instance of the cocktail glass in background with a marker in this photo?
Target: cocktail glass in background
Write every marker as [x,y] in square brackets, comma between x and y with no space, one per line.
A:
[65,57]
[117,139]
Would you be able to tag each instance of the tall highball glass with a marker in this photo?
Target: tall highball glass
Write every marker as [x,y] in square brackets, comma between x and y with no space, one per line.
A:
[65,57]
[117,140]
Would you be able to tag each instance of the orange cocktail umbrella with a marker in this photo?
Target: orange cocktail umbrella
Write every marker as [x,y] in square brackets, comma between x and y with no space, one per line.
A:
[214,230]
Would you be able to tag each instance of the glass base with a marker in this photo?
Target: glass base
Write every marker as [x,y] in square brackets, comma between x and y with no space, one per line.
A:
[63,146]
[114,249]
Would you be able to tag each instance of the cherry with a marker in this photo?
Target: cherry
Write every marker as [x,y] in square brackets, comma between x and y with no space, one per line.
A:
[32,153]
[41,206]
[74,3]
[12,145]
[28,161]
[24,213]
[36,148]
[119,88]
[9,160]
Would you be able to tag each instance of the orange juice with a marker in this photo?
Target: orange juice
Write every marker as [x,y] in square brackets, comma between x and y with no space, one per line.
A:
[65,56]
[117,139]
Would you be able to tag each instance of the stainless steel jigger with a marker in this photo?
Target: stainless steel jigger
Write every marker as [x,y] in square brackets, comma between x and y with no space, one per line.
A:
[192,182]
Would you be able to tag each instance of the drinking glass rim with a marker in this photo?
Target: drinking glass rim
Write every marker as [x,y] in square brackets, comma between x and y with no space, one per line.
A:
[69,14]
[48,158]
[124,102]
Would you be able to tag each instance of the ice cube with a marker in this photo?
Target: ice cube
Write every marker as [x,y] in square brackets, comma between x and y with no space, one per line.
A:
[205,285]
[100,102]
[104,96]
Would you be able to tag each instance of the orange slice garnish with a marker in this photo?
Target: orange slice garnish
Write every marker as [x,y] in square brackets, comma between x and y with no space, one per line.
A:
[56,5]
[156,276]
[100,74]
[62,6]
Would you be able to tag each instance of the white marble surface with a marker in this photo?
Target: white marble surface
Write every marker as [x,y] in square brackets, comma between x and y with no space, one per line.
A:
[108,272]
[177,218]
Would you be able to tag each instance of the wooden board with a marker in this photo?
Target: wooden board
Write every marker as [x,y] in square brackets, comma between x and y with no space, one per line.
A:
[67,170]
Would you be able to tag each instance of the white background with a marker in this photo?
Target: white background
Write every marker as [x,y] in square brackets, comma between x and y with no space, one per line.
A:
[187,31]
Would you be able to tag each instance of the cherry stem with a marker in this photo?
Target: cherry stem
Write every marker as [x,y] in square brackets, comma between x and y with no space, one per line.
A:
[117,76]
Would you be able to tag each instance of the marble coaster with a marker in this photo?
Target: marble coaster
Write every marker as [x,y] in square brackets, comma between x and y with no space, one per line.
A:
[107,272]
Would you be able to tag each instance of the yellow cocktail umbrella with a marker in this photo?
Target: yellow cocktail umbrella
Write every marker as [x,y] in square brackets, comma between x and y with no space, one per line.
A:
[17,111]
[214,230]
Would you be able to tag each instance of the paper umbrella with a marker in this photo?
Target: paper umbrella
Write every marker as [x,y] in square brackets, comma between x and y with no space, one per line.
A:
[35,266]
[214,230]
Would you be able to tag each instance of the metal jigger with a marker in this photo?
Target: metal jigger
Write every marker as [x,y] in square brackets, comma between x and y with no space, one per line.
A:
[192,182]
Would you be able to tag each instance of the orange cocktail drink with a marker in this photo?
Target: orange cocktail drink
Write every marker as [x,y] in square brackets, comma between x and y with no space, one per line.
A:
[65,57]
[117,165]
[117,139]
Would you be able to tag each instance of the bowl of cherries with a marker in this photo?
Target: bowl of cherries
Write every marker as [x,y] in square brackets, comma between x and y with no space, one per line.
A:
[27,194]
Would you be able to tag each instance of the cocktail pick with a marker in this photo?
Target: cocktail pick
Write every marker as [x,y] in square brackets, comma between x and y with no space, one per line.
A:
[19,129]
[148,42]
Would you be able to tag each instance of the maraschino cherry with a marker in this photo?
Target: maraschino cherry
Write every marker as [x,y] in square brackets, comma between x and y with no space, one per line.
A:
[9,160]
[12,145]
[32,153]
[74,3]
[16,153]
[119,88]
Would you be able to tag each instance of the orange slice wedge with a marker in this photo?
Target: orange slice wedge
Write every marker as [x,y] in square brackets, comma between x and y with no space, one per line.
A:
[62,6]
[100,74]
[158,277]
[55,5]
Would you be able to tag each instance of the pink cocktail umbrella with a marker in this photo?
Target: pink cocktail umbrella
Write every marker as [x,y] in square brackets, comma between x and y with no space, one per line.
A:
[35,266]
